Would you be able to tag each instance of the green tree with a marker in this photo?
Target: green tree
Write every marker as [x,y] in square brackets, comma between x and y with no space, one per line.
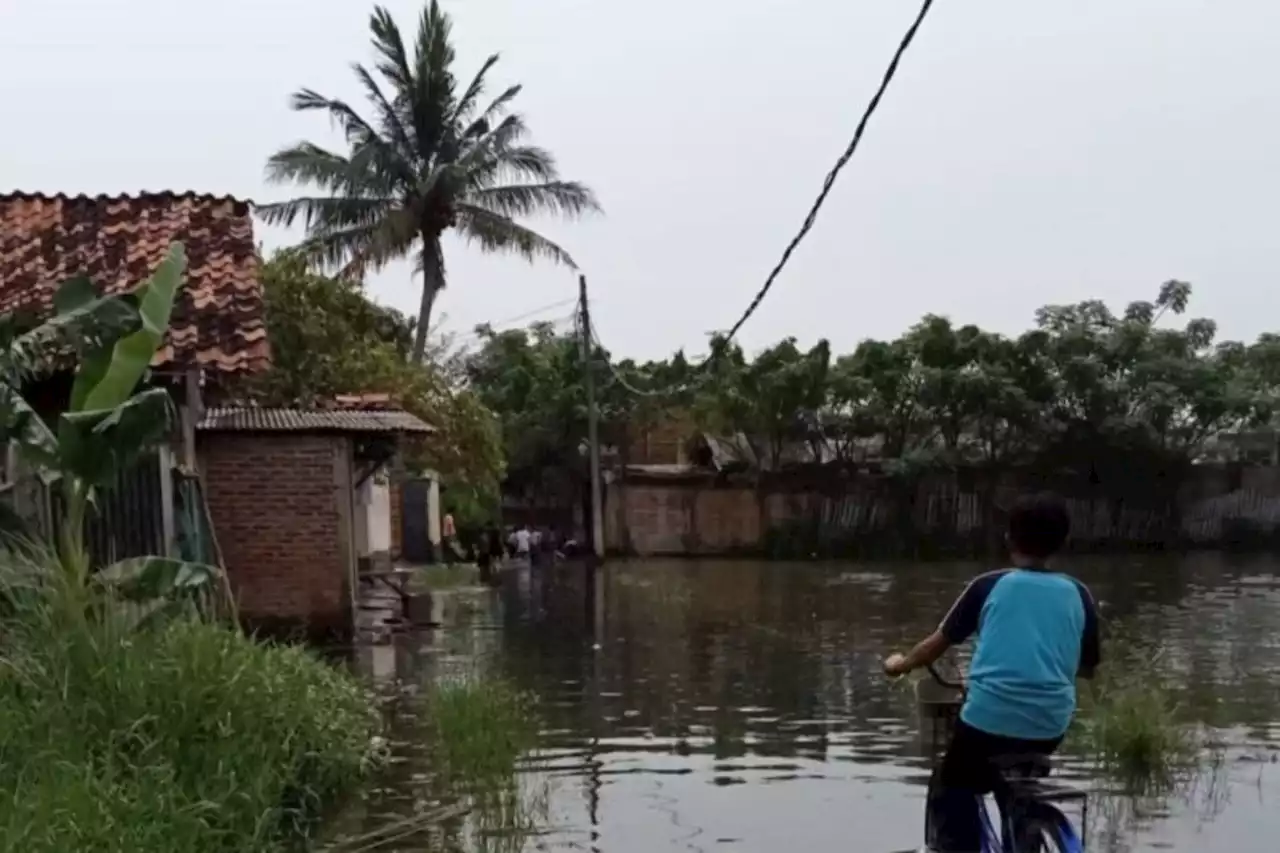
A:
[327,338]
[433,157]
[1128,391]
[532,380]
[891,381]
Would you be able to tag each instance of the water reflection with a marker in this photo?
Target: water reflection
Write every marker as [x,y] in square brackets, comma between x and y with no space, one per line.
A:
[738,706]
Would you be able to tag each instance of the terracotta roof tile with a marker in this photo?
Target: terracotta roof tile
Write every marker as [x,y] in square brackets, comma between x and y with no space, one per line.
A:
[250,419]
[118,240]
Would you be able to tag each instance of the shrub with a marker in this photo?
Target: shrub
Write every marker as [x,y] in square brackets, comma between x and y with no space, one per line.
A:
[1133,727]
[186,735]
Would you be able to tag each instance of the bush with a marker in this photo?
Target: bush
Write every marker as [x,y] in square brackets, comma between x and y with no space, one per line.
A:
[1133,727]
[184,736]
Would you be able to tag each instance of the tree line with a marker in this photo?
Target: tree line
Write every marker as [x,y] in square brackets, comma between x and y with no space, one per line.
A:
[1087,393]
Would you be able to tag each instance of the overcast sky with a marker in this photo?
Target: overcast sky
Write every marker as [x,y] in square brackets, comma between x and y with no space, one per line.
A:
[1028,152]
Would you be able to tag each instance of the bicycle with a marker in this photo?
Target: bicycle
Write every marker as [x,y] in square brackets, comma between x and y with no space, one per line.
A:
[1030,822]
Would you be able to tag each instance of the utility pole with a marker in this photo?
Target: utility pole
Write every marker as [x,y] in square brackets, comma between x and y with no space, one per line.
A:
[595,590]
[593,426]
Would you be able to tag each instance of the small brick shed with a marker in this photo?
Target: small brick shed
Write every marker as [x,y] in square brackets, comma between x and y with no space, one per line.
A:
[281,486]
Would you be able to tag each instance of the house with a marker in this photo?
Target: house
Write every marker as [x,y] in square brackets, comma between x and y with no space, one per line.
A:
[217,331]
[300,501]
[243,460]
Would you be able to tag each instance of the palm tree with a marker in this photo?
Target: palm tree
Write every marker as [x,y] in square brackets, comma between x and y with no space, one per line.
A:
[430,160]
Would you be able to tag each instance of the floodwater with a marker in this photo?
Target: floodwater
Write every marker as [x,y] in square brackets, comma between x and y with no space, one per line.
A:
[739,706]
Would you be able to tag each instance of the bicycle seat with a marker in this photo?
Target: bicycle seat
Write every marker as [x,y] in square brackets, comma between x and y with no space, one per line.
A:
[1022,767]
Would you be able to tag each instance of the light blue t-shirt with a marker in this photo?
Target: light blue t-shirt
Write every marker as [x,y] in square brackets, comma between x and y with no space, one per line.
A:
[1036,630]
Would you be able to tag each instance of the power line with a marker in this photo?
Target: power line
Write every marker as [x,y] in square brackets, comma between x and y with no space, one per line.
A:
[830,180]
[617,375]
[532,312]
[812,217]
[505,326]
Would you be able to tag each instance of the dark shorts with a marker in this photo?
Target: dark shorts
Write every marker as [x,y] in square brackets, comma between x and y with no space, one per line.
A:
[965,773]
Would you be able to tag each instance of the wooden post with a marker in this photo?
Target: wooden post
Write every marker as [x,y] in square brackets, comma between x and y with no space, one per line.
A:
[168,526]
[192,412]
[344,495]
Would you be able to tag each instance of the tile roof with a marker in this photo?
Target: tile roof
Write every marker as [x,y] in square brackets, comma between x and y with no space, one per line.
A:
[119,240]
[250,419]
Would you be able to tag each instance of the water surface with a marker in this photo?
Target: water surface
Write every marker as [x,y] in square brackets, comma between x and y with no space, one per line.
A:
[738,706]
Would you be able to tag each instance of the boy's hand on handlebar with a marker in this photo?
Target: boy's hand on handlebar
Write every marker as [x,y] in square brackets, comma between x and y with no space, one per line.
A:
[895,665]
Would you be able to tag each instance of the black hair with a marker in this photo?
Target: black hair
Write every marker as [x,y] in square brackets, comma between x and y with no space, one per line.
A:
[1038,525]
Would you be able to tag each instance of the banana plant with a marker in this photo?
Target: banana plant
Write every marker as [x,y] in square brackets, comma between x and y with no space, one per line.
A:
[108,423]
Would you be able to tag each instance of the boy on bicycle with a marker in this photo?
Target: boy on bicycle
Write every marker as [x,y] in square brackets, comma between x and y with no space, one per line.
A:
[1037,631]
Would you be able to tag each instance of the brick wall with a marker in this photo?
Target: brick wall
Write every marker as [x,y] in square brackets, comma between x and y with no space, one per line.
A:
[275,510]
[662,443]
[683,518]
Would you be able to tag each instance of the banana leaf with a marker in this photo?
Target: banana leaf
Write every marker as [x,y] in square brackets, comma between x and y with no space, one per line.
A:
[23,426]
[96,445]
[108,376]
[85,324]
[152,578]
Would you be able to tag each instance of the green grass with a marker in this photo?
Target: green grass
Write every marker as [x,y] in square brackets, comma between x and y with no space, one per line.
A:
[475,793]
[185,736]
[1132,722]
[480,729]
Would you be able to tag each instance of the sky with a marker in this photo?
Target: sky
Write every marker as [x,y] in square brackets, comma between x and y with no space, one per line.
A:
[1028,153]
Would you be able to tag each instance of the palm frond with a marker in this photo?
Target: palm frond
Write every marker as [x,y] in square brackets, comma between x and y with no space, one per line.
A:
[384,155]
[480,163]
[496,233]
[431,101]
[308,163]
[389,44]
[520,164]
[480,126]
[498,106]
[361,247]
[356,181]
[328,213]
[467,103]
[565,198]
[389,119]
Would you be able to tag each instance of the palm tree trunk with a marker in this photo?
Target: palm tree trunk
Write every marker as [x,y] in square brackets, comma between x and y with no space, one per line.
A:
[432,284]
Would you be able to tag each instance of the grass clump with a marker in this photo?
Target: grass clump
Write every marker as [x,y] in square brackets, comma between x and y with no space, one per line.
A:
[1132,725]
[181,735]
[480,729]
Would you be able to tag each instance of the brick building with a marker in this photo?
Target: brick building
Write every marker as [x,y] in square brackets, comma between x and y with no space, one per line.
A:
[299,500]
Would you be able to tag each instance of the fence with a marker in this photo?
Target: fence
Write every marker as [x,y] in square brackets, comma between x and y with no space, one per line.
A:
[129,518]
[1215,506]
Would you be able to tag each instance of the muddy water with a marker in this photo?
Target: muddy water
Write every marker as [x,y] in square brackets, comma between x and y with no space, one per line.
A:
[738,706]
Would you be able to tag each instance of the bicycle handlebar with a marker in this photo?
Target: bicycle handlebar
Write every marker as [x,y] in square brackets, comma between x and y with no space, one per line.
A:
[945,682]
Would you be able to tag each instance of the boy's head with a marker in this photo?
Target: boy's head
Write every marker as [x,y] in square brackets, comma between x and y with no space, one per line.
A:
[1038,526]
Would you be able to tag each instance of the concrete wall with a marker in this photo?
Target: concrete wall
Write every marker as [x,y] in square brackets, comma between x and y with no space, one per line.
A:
[281,507]
[373,519]
[700,515]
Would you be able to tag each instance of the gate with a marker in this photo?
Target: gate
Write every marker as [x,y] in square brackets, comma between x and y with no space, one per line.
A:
[415,509]
[128,519]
